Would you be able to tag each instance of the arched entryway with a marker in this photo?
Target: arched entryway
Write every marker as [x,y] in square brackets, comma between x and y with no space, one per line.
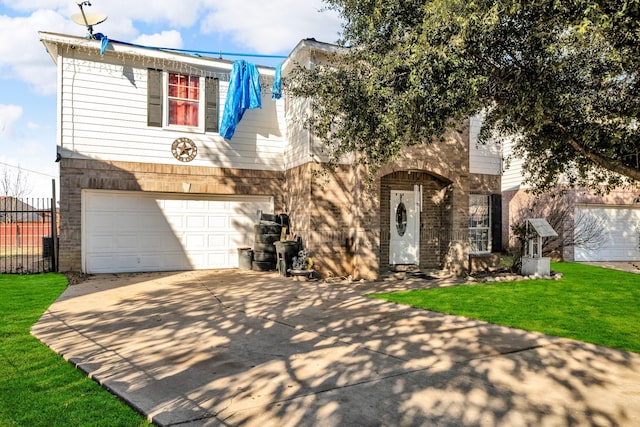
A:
[415,219]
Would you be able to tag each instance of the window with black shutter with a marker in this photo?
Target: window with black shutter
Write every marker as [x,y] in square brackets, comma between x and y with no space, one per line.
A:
[178,101]
[211,105]
[154,98]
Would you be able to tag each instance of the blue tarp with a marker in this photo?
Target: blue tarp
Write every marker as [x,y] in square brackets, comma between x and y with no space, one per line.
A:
[104,44]
[276,91]
[244,93]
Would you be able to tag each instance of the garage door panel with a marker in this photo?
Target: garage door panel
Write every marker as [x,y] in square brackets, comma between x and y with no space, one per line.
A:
[100,264]
[621,234]
[223,255]
[218,240]
[196,242]
[213,257]
[128,221]
[151,263]
[196,221]
[238,240]
[171,206]
[102,203]
[153,222]
[134,263]
[136,231]
[153,241]
[105,221]
[219,205]
[127,242]
[197,259]
[101,243]
[143,243]
[197,205]
[124,204]
[218,222]
[174,261]
[177,222]
[246,214]
[247,209]
[128,262]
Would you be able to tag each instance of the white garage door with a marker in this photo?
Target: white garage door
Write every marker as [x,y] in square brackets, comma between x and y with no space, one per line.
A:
[621,236]
[136,231]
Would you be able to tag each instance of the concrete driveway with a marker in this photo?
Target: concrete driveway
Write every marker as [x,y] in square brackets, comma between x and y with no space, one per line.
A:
[221,348]
[628,266]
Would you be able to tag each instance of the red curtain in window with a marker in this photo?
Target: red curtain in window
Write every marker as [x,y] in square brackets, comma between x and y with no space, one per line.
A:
[184,99]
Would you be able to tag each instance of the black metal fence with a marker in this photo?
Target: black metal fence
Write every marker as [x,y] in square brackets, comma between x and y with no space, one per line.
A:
[27,230]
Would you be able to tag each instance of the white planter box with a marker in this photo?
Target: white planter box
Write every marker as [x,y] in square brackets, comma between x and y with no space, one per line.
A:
[532,266]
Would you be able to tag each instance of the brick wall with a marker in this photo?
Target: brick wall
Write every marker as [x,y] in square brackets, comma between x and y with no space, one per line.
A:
[331,212]
[345,221]
[447,161]
[341,216]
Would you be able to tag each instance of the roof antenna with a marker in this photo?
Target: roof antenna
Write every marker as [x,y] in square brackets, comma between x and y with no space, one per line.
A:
[87,19]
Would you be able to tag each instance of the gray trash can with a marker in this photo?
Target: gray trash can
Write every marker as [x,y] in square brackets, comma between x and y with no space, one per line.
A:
[286,251]
[245,258]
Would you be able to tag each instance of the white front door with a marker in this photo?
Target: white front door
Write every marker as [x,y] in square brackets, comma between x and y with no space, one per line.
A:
[404,241]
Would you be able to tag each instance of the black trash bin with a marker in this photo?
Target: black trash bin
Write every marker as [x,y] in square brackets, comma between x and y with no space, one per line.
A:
[286,251]
[245,258]
[47,246]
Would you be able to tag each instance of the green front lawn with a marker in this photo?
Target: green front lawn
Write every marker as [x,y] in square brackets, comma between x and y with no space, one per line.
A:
[37,386]
[590,304]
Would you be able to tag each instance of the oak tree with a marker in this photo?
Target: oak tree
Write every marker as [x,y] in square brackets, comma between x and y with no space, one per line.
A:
[559,77]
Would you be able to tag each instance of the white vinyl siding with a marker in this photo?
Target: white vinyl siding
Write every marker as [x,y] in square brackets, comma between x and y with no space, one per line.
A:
[298,149]
[104,116]
[512,178]
[483,158]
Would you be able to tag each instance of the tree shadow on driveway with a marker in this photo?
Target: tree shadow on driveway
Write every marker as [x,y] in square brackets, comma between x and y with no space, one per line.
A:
[230,348]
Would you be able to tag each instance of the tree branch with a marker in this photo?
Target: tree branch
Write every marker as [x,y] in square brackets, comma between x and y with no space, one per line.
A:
[606,163]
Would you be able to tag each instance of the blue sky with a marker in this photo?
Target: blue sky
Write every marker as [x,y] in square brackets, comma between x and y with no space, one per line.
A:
[28,75]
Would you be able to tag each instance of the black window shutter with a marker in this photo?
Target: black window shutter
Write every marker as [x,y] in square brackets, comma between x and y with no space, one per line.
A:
[211,105]
[154,98]
[496,223]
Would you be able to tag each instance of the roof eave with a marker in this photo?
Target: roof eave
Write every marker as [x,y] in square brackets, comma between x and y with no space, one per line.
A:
[53,41]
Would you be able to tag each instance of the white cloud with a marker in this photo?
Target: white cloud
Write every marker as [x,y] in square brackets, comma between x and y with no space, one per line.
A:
[265,27]
[31,5]
[171,12]
[271,27]
[171,38]
[254,25]
[24,57]
[33,147]
[9,114]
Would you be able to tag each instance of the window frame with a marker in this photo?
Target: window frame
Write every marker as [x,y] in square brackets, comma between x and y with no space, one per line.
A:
[201,104]
[475,231]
